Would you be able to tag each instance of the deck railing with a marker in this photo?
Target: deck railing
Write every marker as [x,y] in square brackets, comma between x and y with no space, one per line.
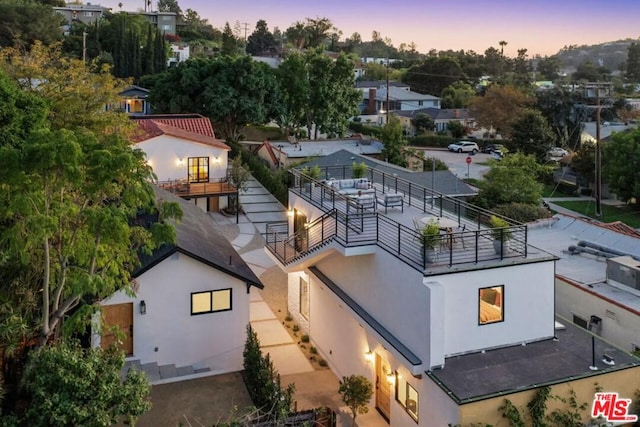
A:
[356,227]
[186,189]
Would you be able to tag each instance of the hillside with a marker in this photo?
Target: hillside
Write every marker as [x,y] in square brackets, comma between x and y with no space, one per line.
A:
[611,55]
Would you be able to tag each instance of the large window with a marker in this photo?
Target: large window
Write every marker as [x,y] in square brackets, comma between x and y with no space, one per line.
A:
[198,169]
[210,301]
[407,396]
[304,298]
[491,305]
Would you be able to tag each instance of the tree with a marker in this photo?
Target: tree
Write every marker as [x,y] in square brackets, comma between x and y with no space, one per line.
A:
[565,111]
[434,74]
[392,136]
[229,41]
[499,108]
[295,91]
[457,129]
[71,386]
[633,63]
[502,44]
[423,123]
[75,93]
[457,95]
[24,23]
[532,135]
[549,68]
[170,6]
[621,165]
[296,35]
[589,72]
[356,392]
[512,180]
[317,30]
[261,41]
[232,91]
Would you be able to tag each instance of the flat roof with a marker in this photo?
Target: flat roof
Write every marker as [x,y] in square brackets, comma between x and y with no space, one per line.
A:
[587,271]
[483,375]
[324,147]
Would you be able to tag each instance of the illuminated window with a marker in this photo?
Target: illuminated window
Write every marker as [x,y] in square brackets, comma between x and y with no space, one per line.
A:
[491,305]
[210,301]
[198,169]
[304,298]
[407,396]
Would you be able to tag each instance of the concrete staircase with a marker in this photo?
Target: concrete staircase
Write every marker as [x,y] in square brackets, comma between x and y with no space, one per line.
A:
[157,373]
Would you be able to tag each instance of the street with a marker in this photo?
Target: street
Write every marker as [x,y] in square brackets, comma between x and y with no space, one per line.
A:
[457,162]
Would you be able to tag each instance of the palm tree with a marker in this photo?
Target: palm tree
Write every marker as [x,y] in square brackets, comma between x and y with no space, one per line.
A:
[502,44]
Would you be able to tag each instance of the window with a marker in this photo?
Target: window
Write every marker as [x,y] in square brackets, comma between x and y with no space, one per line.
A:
[419,102]
[198,169]
[491,305]
[88,14]
[210,301]
[304,298]
[167,27]
[407,396]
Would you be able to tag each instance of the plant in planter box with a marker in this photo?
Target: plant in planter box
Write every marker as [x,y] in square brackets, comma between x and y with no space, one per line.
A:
[501,234]
[429,237]
[358,170]
[313,172]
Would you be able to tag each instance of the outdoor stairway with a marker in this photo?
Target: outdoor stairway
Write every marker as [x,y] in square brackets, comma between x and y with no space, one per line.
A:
[156,373]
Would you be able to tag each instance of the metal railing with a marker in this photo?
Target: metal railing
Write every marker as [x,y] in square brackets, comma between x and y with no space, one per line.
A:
[352,225]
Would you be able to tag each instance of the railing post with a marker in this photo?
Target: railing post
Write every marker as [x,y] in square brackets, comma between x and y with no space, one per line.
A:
[399,238]
[477,232]
[440,198]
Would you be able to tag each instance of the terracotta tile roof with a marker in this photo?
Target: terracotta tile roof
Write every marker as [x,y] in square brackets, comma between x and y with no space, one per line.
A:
[617,226]
[269,148]
[194,128]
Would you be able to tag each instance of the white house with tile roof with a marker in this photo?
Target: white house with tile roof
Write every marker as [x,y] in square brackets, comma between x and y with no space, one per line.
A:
[190,304]
[186,157]
[444,332]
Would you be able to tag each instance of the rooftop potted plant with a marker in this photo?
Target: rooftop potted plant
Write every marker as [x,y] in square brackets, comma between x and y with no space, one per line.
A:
[358,170]
[313,172]
[429,237]
[501,234]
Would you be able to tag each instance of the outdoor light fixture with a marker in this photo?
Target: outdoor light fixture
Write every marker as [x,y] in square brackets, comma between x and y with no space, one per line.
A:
[143,307]
[391,378]
[368,356]
[179,161]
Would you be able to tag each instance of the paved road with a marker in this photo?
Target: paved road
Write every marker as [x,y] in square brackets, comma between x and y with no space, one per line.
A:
[457,162]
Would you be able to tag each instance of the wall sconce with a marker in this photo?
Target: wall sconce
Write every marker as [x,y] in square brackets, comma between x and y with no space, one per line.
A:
[143,307]
[391,378]
[216,159]
[368,356]
[290,212]
[180,161]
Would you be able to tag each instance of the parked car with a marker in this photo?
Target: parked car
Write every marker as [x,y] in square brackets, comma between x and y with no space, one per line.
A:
[464,147]
[557,152]
[490,148]
[497,154]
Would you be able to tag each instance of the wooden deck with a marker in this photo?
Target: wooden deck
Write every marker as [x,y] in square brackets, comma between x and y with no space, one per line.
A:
[188,190]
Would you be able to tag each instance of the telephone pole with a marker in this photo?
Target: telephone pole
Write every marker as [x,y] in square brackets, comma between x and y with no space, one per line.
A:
[84,47]
[387,109]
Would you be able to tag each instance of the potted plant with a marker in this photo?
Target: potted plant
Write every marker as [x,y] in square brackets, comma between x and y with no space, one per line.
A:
[429,238]
[313,172]
[358,170]
[501,234]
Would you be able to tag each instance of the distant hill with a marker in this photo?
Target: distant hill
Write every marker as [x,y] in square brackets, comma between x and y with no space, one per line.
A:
[612,55]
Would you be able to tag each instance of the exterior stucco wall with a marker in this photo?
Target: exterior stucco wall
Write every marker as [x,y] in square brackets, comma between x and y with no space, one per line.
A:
[620,326]
[168,156]
[213,340]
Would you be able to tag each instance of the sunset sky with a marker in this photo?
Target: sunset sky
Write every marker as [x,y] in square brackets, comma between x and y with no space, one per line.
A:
[541,26]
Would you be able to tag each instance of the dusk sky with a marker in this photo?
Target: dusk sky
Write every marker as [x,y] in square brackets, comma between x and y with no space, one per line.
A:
[541,26]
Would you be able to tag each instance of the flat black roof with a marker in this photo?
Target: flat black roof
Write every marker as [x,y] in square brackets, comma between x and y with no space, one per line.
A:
[513,369]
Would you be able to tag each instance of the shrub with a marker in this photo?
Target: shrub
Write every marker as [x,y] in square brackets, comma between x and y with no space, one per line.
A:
[431,141]
[288,318]
[323,363]
[313,350]
[296,328]
[305,338]
[500,230]
[522,212]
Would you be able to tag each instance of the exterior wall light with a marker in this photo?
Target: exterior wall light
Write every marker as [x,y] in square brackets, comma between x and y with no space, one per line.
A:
[368,356]
[391,378]
[143,307]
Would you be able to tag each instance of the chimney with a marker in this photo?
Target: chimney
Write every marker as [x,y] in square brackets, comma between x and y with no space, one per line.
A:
[371,108]
[456,113]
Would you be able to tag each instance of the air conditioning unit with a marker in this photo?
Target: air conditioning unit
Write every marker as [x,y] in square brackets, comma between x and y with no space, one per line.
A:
[624,270]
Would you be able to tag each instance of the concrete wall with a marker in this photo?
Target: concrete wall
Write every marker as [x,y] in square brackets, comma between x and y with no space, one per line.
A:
[213,340]
[168,156]
[620,326]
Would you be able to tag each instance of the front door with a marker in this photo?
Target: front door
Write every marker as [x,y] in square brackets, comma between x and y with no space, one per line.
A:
[383,388]
[120,315]
[299,229]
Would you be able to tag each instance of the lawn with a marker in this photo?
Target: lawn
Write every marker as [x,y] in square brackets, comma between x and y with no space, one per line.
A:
[555,191]
[622,213]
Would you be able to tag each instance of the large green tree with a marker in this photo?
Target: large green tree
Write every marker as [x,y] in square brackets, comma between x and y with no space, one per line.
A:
[621,165]
[24,22]
[531,134]
[232,91]
[434,74]
[392,136]
[499,108]
[261,41]
[633,63]
[71,386]
[457,95]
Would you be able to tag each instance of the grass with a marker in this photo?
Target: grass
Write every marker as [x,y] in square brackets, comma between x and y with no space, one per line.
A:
[625,214]
[554,191]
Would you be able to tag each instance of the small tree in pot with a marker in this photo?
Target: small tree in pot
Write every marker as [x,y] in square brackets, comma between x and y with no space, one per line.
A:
[358,170]
[429,237]
[501,234]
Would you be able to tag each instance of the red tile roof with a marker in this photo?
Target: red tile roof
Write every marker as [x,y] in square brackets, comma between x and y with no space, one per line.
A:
[194,128]
[617,226]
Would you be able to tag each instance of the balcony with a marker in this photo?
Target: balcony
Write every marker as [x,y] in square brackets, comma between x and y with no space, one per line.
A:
[189,190]
[468,241]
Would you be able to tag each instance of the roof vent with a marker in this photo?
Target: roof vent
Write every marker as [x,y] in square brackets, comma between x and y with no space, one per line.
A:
[608,360]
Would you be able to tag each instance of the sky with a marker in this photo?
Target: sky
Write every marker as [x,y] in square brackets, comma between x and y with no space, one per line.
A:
[541,26]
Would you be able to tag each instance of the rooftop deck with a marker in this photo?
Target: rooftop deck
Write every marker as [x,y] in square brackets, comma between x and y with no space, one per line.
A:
[465,239]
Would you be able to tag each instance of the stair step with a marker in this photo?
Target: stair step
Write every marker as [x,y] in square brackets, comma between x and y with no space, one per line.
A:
[151,370]
[185,370]
[201,370]
[168,371]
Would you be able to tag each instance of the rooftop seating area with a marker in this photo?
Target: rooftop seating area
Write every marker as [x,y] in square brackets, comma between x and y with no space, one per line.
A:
[395,220]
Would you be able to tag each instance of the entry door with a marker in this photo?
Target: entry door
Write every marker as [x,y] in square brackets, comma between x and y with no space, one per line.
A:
[383,388]
[299,221]
[120,315]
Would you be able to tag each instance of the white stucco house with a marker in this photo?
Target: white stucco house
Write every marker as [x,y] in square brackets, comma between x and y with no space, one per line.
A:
[186,157]
[445,333]
[190,305]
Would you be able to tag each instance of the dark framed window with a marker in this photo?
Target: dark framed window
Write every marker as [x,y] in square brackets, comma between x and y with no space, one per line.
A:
[407,396]
[210,301]
[198,169]
[491,305]
[304,298]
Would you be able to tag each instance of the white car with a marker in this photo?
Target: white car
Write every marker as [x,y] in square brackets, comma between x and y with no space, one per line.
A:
[557,152]
[464,147]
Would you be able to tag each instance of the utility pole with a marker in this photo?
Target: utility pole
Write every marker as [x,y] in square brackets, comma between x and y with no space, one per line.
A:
[84,47]
[598,158]
[246,28]
[387,109]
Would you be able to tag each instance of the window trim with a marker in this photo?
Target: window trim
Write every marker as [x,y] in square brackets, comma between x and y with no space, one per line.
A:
[211,293]
[415,417]
[502,314]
